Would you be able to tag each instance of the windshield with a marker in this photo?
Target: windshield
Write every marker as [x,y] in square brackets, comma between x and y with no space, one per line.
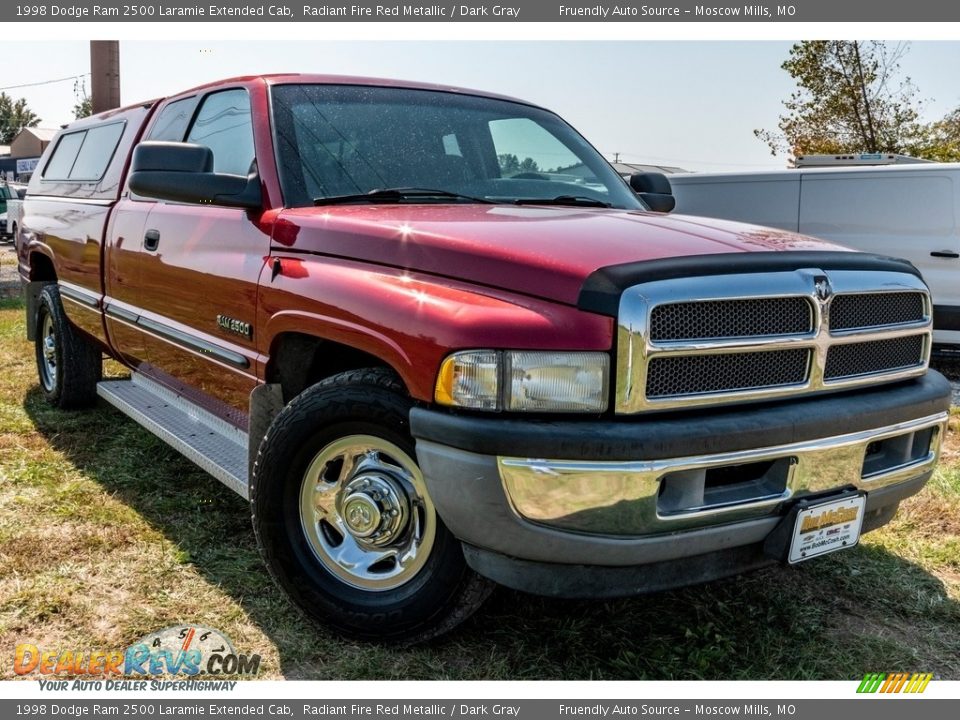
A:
[346,140]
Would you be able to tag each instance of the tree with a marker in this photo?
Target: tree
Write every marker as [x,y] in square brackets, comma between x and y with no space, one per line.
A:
[509,164]
[850,98]
[529,165]
[83,107]
[940,140]
[14,117]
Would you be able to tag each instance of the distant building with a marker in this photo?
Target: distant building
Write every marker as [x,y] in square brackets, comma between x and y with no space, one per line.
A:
[31,142]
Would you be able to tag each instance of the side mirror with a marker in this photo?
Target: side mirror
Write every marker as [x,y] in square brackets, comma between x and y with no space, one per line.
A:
[654,189]
[183,172]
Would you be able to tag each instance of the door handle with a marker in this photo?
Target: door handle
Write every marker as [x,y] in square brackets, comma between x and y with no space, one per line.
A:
[151,240]
[945,254]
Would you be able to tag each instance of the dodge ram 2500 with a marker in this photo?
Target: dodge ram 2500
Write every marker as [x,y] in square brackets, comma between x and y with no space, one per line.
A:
[439,343]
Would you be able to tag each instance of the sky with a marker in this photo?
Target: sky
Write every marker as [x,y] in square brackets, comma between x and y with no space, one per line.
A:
[693,104]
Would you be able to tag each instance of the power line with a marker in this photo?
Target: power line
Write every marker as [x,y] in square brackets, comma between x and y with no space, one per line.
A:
[44,82]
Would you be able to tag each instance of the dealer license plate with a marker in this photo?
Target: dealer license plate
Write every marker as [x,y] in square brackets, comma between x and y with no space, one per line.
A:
[828,526]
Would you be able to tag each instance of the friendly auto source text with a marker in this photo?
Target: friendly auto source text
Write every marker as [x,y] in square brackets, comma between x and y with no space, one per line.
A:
[603,11]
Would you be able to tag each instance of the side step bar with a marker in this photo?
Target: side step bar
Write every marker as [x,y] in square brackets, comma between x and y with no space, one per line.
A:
[213,444]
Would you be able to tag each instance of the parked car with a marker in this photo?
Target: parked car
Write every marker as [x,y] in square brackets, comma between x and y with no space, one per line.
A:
[431,364]
[910,211]
[9,215]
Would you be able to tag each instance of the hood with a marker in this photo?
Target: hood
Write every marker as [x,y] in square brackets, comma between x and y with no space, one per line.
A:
[546,252]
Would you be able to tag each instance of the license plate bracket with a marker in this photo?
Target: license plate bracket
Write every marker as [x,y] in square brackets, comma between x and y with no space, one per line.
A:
[816,526]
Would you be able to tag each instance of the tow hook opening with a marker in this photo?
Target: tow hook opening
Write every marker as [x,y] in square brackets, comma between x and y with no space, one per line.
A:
[888,454]
[695,490]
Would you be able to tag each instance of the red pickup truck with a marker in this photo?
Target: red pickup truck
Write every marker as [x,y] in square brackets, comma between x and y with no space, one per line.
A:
[437,341]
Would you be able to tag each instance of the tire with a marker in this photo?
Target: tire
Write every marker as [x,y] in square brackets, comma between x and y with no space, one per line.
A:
[68,365]
[335,462]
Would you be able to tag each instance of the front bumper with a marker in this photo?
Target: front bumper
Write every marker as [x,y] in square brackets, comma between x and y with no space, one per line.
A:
[620,506]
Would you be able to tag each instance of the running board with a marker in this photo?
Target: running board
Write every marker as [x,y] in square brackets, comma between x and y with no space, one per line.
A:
[215,445]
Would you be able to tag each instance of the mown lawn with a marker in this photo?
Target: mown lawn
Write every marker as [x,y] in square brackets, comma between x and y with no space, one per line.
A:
[106,535]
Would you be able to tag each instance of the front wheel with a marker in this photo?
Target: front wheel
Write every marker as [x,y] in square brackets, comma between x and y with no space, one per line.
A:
[344,520]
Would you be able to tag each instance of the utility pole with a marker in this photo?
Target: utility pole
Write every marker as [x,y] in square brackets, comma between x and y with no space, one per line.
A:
[616,157]
[104,75]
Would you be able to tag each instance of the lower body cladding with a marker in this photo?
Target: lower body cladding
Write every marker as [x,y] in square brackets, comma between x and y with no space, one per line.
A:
[619,507]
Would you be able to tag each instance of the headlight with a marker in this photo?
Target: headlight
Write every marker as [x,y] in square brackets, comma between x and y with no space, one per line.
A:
[525,381]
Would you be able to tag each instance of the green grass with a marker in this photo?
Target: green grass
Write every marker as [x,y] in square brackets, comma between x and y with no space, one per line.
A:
[106,535]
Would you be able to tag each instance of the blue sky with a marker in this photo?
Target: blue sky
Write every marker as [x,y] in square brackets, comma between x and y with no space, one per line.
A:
[694,103]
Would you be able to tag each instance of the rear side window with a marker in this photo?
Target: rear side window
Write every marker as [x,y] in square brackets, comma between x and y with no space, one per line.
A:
[64,155]
[224,125]
[96,152]
[84,156]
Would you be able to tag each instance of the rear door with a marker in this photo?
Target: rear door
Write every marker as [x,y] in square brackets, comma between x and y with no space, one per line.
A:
[199,273]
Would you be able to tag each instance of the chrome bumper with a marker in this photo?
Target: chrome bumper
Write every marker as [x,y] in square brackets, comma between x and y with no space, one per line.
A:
[650,497]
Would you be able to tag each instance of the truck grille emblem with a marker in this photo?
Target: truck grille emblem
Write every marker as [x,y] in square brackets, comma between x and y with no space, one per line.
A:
[823,289]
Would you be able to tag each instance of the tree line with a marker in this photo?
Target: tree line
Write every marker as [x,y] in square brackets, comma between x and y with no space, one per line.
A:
[852,97]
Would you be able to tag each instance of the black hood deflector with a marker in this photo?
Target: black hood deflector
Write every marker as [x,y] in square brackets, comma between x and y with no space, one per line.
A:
[602,289]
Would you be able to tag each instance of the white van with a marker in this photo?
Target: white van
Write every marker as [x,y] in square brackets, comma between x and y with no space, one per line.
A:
[908,211]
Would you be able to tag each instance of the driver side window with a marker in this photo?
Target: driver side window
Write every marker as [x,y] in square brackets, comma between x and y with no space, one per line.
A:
[225,126]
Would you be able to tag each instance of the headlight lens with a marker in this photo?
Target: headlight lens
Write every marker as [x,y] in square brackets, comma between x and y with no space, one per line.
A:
[470,379]
[525,381]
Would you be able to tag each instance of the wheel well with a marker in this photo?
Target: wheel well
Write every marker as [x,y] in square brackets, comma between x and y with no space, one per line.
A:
[298,361]
[41,268]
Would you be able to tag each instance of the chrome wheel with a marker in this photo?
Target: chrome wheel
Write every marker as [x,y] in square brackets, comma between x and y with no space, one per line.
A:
[48,354]
[365,512]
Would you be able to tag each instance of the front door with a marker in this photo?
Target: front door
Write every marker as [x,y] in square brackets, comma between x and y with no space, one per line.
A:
[199,275]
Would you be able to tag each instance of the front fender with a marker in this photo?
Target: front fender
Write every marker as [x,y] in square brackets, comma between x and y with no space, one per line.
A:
[412,321]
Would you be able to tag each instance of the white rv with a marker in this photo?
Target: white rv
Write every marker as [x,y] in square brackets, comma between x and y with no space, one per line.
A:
[905,210]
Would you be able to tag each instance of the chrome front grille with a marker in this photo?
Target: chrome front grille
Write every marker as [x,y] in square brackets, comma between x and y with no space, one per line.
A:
[876,356]
[731,318]
[675,375]
[727,338]
[867,310]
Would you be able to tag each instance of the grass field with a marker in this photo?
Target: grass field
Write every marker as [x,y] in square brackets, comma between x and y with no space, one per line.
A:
[106,535]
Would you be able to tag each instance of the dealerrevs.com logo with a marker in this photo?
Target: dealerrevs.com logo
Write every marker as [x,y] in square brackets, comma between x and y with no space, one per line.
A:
[177,650]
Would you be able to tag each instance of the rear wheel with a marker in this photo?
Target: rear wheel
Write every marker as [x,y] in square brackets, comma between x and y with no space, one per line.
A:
[344,520]
[69,366]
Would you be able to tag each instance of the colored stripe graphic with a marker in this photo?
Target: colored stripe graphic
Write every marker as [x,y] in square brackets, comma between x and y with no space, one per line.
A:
[894,682]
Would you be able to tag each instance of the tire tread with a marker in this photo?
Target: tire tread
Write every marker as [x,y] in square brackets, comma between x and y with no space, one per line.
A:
[80,362]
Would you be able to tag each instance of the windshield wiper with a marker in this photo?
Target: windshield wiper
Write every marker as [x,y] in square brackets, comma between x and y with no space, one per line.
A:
[572,200]
[397,195]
